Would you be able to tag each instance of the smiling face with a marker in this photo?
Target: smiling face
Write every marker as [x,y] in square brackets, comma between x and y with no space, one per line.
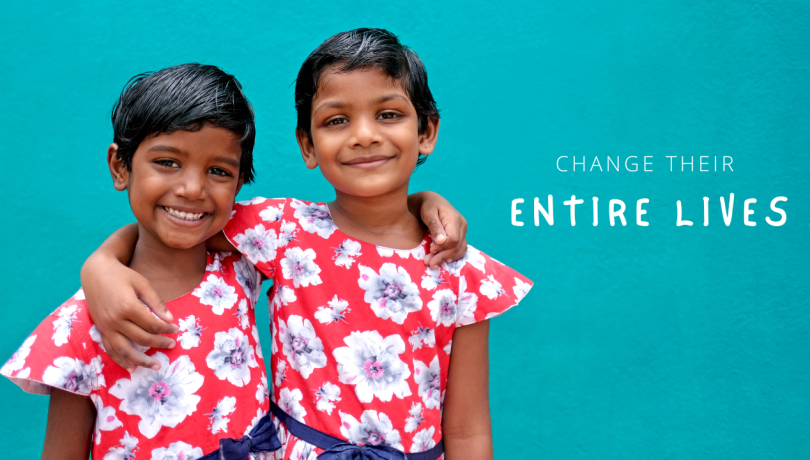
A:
[182,185]
[365,136]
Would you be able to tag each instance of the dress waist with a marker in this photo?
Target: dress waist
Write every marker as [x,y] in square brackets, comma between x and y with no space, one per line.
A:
[339,449]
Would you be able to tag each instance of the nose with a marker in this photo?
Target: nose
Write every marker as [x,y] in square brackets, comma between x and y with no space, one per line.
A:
[365,133]
[192,185]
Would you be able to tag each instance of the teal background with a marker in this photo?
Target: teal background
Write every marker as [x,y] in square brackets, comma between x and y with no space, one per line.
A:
[657,342]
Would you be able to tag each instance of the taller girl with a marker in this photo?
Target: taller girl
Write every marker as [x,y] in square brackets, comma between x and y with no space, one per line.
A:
[362,330]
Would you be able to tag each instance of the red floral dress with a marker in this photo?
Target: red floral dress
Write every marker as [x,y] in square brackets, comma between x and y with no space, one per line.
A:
[210,386]
[362,334]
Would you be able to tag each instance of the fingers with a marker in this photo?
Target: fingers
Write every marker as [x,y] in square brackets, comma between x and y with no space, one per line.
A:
[152,300]
[145,339]
[434,223]
[133,357]
[125,355]
[149,323]
[438,256]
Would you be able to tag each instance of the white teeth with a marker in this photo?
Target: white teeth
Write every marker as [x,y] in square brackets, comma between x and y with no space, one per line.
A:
[183,215]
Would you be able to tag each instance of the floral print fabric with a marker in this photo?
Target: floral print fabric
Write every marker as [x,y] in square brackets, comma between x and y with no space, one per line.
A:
[210,386]
[362,333]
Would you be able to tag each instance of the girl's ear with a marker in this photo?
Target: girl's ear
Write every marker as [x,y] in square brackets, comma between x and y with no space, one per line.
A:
[307,149]
[427,140]
[118,170]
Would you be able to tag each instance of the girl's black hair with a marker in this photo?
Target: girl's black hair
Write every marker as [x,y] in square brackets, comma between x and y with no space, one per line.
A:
[363,48]
[183,97]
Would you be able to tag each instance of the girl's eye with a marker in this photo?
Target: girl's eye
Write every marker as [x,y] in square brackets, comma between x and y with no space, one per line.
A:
[167,163]
[389,115]
[219,172]
[336,121]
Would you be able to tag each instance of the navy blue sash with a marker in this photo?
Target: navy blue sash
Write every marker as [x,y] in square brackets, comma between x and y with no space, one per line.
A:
[262,438]
[338,449]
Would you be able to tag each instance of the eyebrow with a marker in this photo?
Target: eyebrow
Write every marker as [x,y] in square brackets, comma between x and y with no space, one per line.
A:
[340,105]
[170,149]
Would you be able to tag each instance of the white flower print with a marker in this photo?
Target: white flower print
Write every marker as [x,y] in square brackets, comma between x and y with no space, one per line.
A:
[302,347]
[299,266]
[448,347]
[242,314]
[219,415]
[391,294]
[216,264]
[521,289]
[467,303]
[422,336]
[472,256]
[160,398]
[127,449]
[286,233]
[259,415]
[63,324]
[262,391]
[423,440]
[255,334]
[216,292]
[17,360]
[232,357]
[257,244]
[106,419]
[429,381]
[281,372]
[254,200]
[272,213]
[326,396]
[283,296]
[303,451]
[443,307]
[314,218]
[74,375]
[491,288]
[190,332]
[336,311]
[374,429]
[345,252]
[283,437]
[417,253]
[249,278]
[372,364]
[79,295]
[290,402]
[415,419]
[177,451]
[432,278]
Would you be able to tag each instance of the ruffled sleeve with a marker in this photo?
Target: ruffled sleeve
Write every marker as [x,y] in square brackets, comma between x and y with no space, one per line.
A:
[59,353]
[486,288]
[255,229]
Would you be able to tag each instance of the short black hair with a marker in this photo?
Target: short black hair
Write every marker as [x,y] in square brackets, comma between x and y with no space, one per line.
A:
[183,97]
[364,48]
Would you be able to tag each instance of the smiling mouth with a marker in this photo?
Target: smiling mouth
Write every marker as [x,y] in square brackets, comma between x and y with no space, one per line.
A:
[368,162]
[187,216]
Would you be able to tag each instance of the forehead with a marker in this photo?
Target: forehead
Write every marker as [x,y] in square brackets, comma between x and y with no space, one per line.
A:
[358,85]
[204,142]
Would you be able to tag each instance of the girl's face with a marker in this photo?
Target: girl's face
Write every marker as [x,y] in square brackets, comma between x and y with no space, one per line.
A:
[182,185]
[365,136]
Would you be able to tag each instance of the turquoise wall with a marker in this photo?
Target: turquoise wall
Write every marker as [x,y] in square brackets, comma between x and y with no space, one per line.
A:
[657,342]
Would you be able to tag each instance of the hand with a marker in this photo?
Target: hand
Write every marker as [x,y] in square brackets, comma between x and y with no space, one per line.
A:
[115,297]
[447,227]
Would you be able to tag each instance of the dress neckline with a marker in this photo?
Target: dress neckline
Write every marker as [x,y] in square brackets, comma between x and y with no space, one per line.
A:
[425,239]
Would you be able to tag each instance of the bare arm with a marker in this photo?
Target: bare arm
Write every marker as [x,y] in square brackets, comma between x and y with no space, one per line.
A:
[447,227]
[69,432]
[115,297]
[466,425]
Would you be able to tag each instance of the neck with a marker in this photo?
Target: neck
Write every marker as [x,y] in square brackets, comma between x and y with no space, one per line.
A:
[171,271]
[382,219]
